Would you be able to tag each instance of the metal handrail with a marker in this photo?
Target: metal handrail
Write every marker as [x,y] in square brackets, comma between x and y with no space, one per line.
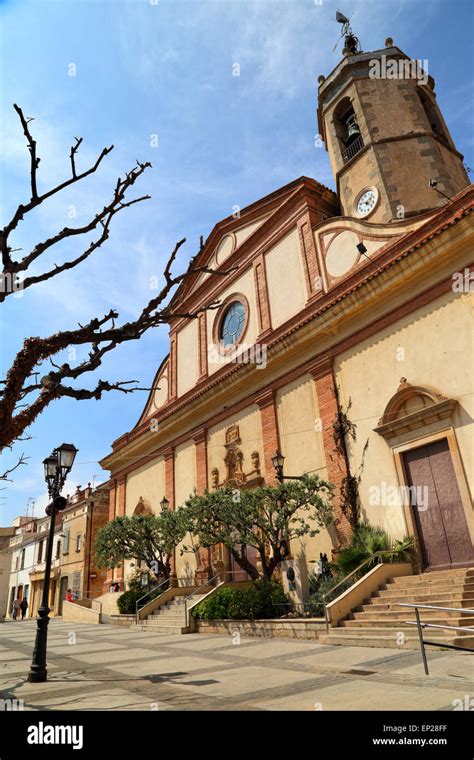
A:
[435,607]
[155,588]
[353,149]
[421,625]
[341,582]
[207,583]
[201,585]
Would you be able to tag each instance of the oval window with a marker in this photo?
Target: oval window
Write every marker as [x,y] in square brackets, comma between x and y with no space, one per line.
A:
[232,324]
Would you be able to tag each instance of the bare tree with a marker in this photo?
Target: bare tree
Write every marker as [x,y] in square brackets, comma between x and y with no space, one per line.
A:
[22,398]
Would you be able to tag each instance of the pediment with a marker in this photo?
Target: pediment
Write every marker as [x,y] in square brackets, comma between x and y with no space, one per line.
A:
[234,232]
[226,245]
[413,407]
[158,395]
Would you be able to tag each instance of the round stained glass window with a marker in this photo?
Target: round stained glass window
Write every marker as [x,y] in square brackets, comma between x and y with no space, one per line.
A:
[233,323]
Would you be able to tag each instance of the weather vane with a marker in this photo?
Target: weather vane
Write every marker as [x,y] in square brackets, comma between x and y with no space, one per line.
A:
[351,43]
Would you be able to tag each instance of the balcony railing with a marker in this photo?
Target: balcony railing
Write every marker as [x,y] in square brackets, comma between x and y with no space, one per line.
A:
[353,149]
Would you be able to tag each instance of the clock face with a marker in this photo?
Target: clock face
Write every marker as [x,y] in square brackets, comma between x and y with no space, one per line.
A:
[367,202]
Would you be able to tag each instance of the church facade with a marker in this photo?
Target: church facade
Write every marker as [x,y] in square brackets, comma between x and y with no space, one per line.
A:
[356,302]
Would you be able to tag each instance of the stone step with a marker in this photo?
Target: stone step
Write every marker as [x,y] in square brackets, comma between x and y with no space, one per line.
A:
[449,588]
[442,598]
[385,622]
[380,605]
[407,614]
[167,619]
[373,637]
[426,578]
[145,625]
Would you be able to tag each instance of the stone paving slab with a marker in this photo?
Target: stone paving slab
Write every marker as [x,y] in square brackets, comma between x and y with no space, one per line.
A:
[373,696]
[19,666]
[116,699]
[461,666]
[71,650]
[119,656]
[279,648]
[112,668]
[8,655]
[166,665]
[244,680]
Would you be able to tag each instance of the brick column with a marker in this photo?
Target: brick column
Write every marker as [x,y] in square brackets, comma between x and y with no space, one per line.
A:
[271,440]
[261,293]
[202,328]
[172,382]
[203,569]
[122,486]
[121,505]
[309,254]
[170,495]
[112,496]
[169,476]
[323,375]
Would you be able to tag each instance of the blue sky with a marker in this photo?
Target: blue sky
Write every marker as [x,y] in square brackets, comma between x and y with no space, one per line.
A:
[166,68]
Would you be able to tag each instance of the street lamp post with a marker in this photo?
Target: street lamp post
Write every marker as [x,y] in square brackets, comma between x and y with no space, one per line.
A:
[277,461]
[56,469]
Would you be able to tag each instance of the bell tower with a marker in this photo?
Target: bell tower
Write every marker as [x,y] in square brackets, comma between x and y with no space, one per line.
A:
[391,153]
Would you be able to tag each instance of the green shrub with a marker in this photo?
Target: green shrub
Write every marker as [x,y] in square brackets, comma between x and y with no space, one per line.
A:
[371,542]
[126,601]
[320,586]
[257,601]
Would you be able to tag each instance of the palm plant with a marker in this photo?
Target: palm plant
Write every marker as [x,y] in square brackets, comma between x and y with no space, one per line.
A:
[373,543]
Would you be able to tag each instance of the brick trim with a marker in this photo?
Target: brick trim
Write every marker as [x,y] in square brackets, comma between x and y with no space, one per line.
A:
[202,328]
[308,253]
[110,571]
[321,367]
[122,495]
[261,293]
[270,432]
[170,491]
[335,463]
[172,380]
[200,439]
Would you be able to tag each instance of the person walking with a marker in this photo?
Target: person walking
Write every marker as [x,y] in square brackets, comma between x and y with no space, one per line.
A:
[23,608]
[16,607]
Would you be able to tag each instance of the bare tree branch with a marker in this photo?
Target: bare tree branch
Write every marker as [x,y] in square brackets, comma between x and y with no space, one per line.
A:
[22,460]
[102,334]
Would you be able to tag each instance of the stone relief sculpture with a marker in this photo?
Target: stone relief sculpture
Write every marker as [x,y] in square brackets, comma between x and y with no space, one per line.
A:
[234,464]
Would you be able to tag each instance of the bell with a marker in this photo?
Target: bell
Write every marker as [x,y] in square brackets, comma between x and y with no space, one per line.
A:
[352,127]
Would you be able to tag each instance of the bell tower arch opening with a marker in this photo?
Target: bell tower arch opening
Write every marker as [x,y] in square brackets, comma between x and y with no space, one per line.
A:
[347,129]
[383,130]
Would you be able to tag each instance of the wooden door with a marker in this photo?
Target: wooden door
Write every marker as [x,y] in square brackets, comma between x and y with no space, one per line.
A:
[62,593]
[440,519]
[238,573]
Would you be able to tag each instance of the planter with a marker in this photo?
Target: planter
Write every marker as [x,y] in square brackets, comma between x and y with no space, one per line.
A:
[296,628]
[123,619]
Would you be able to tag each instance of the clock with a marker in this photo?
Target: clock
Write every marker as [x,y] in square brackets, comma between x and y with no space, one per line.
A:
[366,201]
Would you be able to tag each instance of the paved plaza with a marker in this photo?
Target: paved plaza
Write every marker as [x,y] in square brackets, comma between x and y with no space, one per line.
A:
[114,668]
